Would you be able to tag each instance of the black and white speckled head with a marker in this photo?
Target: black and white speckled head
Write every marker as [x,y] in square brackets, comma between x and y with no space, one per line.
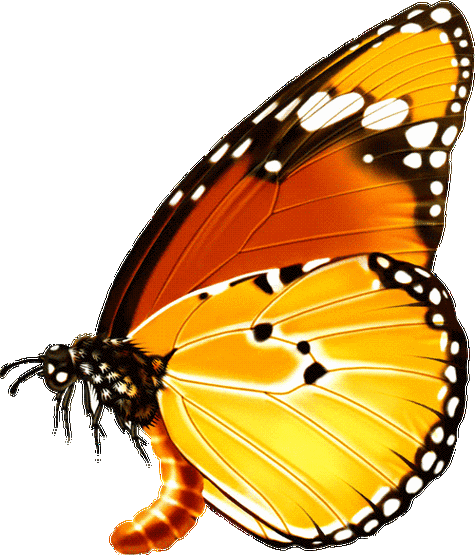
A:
[59,371]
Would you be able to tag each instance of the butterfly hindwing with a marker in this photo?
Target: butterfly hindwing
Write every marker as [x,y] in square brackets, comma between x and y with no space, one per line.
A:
[362,364]
[350,157]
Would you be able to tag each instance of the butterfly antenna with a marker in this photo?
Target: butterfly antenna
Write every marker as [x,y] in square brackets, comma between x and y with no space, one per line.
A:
[13,389]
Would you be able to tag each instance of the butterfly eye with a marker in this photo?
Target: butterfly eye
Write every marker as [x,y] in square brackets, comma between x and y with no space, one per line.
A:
[58,368]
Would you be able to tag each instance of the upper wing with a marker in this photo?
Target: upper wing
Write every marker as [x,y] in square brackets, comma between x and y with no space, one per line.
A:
[314,410]
[350,157]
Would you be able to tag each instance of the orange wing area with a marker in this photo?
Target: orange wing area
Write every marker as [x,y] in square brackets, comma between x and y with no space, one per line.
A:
[351,157]
[316,405]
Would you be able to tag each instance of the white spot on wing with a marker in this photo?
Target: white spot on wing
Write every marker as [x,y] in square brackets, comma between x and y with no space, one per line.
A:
[312,264]
[241,149]
[385,114]
[414,484]
[273,278]
[442,392]
[428,460]
[218,288]
[391,506]
[438,158]
[434,296]
[265,113]
[219,153]
[343,535]
[422,135]
[316,101]
[439,467]
[273,166]
[287,110]
[444,341]
[175,198]
[414,13]
[436,188]
[383,262]
[385,29]
[199,191]
[411,28]
[328,111]
[441,15]
[449,135]
[437,435]
[452,406]
[413,160]
[370,525]
[402,277]
[422,272]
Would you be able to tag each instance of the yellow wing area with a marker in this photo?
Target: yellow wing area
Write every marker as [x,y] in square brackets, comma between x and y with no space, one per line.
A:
[315,410]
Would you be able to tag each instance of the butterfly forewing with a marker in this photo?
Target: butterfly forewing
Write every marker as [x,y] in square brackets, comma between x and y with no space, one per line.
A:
[350,157]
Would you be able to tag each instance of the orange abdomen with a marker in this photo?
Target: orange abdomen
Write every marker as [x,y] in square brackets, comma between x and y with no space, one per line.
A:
[172,515]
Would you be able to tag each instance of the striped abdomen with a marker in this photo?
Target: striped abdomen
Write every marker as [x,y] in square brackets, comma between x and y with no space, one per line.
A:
[172,515]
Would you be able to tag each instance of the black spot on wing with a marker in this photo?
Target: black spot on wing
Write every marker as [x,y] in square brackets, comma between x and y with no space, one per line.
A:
[203,296]
[313,373]
[263,284]
[303,347]
[290,273]
[262,332]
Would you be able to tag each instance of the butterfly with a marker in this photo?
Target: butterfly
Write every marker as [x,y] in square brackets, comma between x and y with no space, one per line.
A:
[278,312]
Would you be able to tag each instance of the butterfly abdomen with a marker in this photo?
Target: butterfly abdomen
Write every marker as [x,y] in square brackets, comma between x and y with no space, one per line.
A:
[172,515]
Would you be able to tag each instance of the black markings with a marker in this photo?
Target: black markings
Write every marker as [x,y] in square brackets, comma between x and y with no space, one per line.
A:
[262,332]
[242,280]
[263,284]
[203,296]
[313,373]
[418,283]
[291,273]
[303,347]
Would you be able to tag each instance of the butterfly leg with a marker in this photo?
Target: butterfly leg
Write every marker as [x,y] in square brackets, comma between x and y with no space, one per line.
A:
[172,515]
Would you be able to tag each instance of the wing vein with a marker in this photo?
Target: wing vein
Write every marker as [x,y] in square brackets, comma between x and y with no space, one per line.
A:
[267,456]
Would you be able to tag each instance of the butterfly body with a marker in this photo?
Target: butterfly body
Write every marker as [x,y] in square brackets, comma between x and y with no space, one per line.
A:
[174,513]
[312,179]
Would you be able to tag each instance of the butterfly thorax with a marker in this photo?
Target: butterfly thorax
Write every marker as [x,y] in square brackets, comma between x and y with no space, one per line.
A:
[124,378]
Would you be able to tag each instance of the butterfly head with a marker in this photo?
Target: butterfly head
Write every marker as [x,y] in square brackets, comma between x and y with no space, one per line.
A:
[59,370]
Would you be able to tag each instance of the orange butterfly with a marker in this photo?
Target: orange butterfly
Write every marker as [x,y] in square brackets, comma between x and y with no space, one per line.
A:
[355,130]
